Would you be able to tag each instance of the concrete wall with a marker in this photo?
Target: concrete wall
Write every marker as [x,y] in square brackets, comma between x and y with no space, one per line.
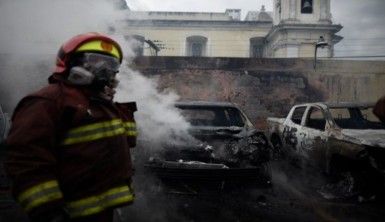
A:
[266,87]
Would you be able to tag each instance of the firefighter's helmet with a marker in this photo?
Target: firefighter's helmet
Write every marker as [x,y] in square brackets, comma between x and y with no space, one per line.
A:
[88,42]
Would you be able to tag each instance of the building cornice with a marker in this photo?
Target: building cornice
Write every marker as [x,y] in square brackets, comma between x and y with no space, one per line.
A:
[303,27]
[198,24]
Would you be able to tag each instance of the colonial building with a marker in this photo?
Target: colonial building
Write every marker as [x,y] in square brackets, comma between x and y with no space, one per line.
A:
[292,29]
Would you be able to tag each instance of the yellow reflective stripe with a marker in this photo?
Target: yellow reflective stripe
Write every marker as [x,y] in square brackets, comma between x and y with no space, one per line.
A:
[46,199]
[101,130]
[97,209]
[130,124]
[131,128]
[96,136]
[132,133]
[95,126]
[95,204]
[97,46]
[38,188]
[97,198]
[40,194]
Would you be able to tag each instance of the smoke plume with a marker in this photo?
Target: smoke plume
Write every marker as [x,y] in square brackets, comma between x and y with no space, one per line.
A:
[158,119]
[32,32]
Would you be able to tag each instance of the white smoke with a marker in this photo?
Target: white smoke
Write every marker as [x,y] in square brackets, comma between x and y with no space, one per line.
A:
[32,32]
[41,26]
[157,118]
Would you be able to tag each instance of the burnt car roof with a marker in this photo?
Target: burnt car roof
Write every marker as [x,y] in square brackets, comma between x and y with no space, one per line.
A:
[349,105]
[206,103]
[341,104]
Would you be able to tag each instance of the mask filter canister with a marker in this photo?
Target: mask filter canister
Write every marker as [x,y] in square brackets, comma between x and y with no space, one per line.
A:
[80,76]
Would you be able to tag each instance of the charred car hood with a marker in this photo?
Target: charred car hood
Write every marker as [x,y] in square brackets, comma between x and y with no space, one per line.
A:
[374,138]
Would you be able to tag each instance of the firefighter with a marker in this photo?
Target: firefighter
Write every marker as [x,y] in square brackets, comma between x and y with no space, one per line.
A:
[379,109]
[69,145]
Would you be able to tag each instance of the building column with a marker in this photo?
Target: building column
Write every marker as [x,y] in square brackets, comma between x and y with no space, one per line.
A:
[293,9]
[325,10]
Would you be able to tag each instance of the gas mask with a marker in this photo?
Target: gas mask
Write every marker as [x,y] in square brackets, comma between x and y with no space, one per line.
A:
[98,71]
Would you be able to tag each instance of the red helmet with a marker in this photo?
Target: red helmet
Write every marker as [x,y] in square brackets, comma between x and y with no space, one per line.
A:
[88,42]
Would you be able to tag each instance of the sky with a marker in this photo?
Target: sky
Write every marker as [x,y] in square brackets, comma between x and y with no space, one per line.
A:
[363,21]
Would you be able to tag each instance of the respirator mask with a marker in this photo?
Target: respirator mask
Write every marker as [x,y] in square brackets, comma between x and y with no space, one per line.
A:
[98,71]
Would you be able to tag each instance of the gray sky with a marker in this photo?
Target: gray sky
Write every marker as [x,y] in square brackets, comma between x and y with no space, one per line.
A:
[363,20]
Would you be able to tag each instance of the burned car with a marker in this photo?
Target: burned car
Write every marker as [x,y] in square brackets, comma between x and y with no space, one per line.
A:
[338,138]
[225,147]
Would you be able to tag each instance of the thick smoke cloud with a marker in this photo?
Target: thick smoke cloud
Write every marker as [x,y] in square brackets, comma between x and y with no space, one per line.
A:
[40,26]
[32,32]
[158,119]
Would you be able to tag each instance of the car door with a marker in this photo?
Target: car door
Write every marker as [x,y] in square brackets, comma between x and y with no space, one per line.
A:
[313,146]
[293,128]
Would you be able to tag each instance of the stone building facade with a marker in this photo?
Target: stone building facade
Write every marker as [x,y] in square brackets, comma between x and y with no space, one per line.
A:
[290,30]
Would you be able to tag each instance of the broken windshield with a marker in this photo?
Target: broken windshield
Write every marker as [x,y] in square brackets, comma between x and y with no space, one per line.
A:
[356,118]
[212,116]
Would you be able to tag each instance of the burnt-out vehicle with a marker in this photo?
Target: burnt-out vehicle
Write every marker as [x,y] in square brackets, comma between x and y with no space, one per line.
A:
[338,138]
[225,147]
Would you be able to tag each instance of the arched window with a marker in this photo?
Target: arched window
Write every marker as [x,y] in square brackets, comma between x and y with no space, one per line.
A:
[196,46]
[137,43]
[256,47]
[307,6]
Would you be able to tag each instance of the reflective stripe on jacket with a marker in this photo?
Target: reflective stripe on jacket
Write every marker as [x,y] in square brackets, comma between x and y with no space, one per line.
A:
[67,150]
[97,203]
[40,194]
[100,130]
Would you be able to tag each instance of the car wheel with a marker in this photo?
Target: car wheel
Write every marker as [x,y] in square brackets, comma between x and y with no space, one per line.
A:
[356,179]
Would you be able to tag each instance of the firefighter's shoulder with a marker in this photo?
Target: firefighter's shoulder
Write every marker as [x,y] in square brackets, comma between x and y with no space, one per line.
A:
[48,94]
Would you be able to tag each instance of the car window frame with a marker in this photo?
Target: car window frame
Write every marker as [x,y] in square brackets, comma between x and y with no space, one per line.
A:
[307,115]
[303,115]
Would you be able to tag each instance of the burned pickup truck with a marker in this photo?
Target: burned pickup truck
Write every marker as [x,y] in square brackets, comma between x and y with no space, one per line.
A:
[337,138]
[225,147]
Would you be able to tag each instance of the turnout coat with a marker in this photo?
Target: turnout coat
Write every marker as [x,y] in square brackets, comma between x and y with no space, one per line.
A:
[70,150]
